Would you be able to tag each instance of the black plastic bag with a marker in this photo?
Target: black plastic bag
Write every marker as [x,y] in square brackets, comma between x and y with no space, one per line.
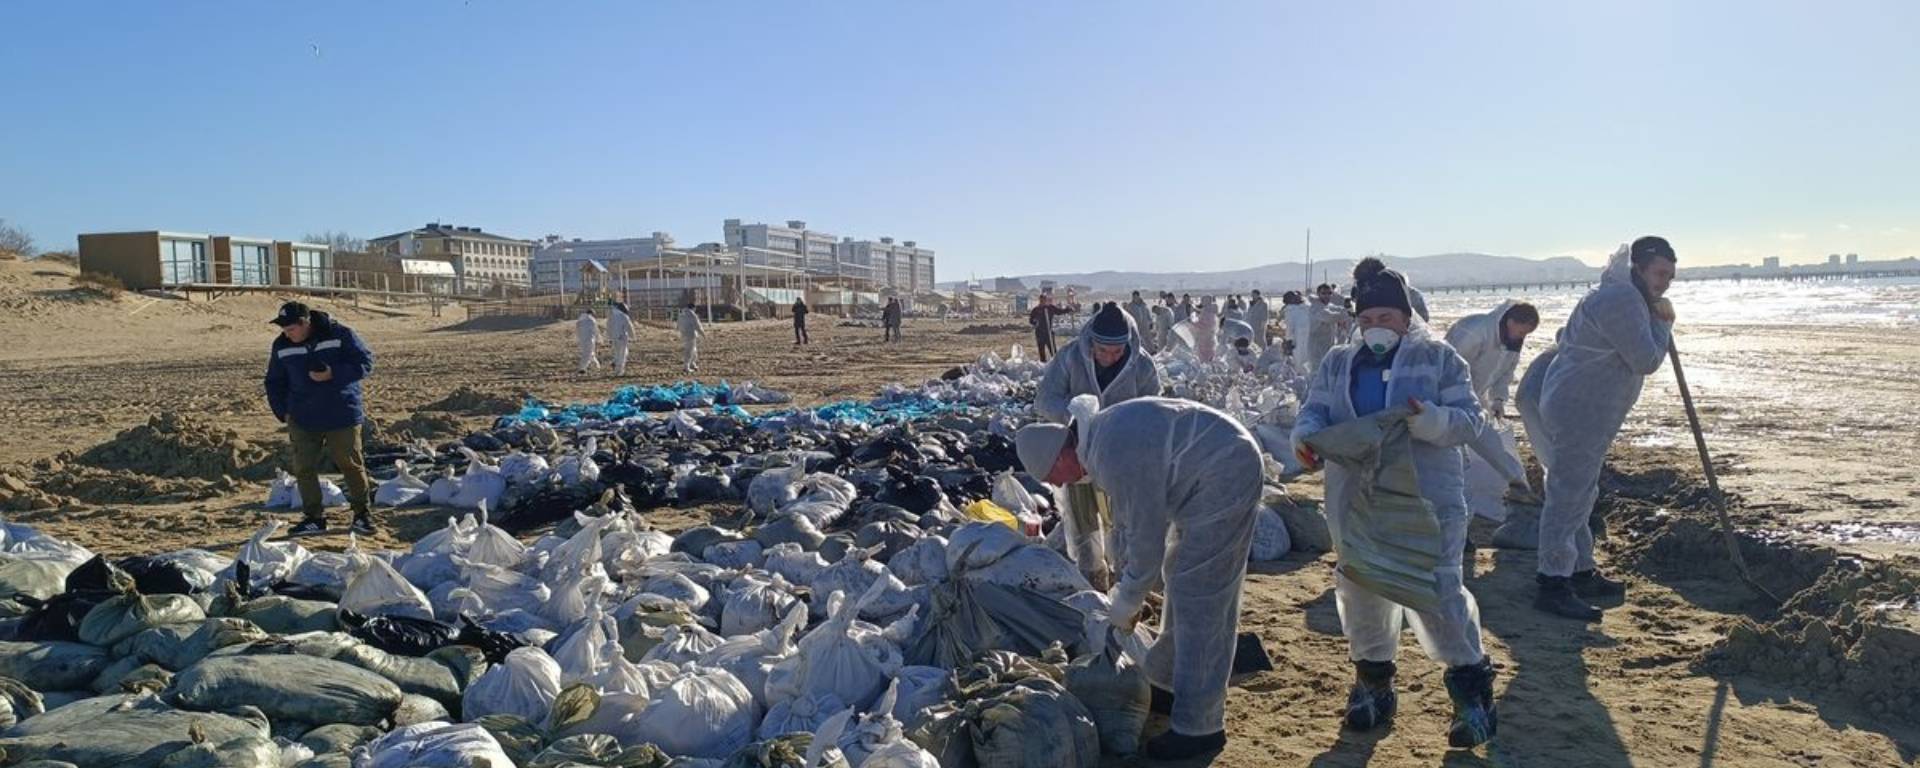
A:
[484,443]
[401,635]
[157,576]
[495,645]
[305,591]
[914,494]
[993,453]
[98,575]
[890,449]
[59,617]
[706,484]
[547,504]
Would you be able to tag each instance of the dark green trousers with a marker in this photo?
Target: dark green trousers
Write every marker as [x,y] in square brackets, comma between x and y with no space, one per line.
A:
[341,445]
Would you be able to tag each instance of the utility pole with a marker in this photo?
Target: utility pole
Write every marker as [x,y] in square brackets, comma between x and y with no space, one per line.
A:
[1309,275]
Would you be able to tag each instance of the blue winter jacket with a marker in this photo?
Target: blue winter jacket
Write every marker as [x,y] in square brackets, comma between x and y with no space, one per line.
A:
[319,406]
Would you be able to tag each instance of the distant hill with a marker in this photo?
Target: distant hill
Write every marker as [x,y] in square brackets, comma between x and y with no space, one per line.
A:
[1437,270]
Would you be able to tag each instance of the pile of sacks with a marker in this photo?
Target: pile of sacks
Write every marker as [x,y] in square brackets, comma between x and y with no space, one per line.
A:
[886,596]
[631,400]
[827,630]
[907,446]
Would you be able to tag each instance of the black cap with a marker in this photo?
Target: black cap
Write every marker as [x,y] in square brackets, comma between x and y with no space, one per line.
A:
[290,313]
[1385,288]
[1651,247]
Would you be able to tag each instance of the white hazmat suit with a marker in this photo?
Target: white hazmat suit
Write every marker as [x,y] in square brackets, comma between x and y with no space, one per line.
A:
[1184,480]
[1324,330]
[690,333]
[1205,329]
[1142,319]
[1162,327]
[1611,343]
[1257,317]
[619,335]
[1072,373]
[1526,400]
[1478,339]
[587,331]
[1432,373]
[1298,319]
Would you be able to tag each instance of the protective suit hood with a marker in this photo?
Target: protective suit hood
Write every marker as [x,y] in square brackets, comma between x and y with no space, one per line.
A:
[1082,353]
[1073,372]
[1619,269]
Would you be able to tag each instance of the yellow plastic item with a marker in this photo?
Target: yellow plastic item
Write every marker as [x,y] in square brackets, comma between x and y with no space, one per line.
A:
[988,512]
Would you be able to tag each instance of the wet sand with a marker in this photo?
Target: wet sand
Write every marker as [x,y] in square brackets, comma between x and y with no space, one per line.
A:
[1658,683]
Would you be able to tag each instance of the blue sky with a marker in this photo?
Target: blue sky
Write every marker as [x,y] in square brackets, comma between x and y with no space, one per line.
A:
[1011,137]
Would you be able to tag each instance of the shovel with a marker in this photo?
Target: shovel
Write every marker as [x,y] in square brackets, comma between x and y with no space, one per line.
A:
[1713,480]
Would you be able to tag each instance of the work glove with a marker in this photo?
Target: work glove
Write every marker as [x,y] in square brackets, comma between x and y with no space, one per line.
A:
[1428,423]
[1124,606]
[1304,453]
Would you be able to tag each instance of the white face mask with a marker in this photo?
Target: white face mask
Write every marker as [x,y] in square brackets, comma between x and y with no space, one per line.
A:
[1379,340]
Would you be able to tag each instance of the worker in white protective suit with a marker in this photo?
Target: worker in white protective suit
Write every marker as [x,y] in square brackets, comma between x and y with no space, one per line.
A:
[1395,362]
[1276,363]
[1616,337]
[1185,483]
[690,333]
[619,335]
[1490,343]
[586,330]
[1258,317]
[1205,328]
[1109,360]
[1161,331]
[1244,356]
[1296,324]
[1327,315]
[1142,319]
[1526,400]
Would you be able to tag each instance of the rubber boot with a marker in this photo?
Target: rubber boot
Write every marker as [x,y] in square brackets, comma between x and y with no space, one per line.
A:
[1557,597]
[1592,585]
[1474,717]
[1371,701]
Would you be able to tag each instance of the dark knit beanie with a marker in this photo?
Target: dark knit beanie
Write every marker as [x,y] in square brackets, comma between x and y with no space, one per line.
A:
[1110,325]
[1384,288]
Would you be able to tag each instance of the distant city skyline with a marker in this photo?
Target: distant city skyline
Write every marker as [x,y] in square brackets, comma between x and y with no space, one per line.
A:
[1014,138]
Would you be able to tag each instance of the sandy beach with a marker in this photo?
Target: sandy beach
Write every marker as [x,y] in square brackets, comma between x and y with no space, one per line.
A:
[1692,671]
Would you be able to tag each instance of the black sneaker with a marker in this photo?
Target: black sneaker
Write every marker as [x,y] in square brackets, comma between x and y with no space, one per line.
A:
[308,527]
[1590,584]
[1371,701]
[1475,718]
[363,525]
[1176,746]
[1557,597]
